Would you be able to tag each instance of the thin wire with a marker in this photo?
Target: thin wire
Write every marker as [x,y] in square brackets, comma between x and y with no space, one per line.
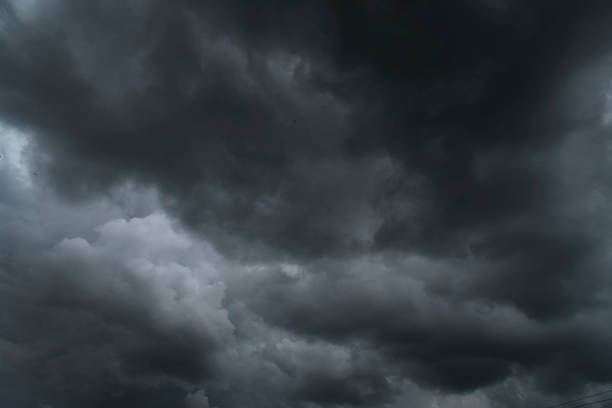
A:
[580,399]
[590,403]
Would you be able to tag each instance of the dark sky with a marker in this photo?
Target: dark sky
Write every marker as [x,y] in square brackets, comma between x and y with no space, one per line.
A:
[309,204]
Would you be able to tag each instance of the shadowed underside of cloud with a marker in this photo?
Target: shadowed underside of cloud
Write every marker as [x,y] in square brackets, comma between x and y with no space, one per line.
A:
[376,202]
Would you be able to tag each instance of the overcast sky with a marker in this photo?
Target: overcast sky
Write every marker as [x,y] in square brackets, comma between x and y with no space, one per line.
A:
[305,204]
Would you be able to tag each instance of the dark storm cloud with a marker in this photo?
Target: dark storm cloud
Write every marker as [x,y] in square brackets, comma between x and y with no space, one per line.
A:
[455,344]
[337,140]
[303,372]
[237,119]
[216,103]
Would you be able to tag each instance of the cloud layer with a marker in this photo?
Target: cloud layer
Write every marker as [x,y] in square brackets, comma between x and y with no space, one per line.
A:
[304,204]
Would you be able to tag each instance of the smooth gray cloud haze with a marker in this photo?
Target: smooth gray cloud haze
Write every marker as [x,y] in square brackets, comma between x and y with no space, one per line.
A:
[310,204]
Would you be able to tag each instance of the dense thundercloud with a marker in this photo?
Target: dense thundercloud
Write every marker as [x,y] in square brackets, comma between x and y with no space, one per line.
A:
[313,204]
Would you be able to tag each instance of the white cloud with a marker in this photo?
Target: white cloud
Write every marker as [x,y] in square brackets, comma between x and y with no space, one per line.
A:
[126,302]
[197,399]
[13,146]
[147,258]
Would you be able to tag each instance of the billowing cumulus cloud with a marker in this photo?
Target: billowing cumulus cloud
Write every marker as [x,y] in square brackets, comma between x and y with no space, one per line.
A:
[137,305]
[304,204]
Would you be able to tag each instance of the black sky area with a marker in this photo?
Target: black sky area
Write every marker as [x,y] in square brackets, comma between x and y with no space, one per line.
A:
[309,204]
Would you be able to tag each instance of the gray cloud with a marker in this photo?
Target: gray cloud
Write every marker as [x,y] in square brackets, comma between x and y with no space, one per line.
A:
[138,306]
[436,340]
[304,204]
